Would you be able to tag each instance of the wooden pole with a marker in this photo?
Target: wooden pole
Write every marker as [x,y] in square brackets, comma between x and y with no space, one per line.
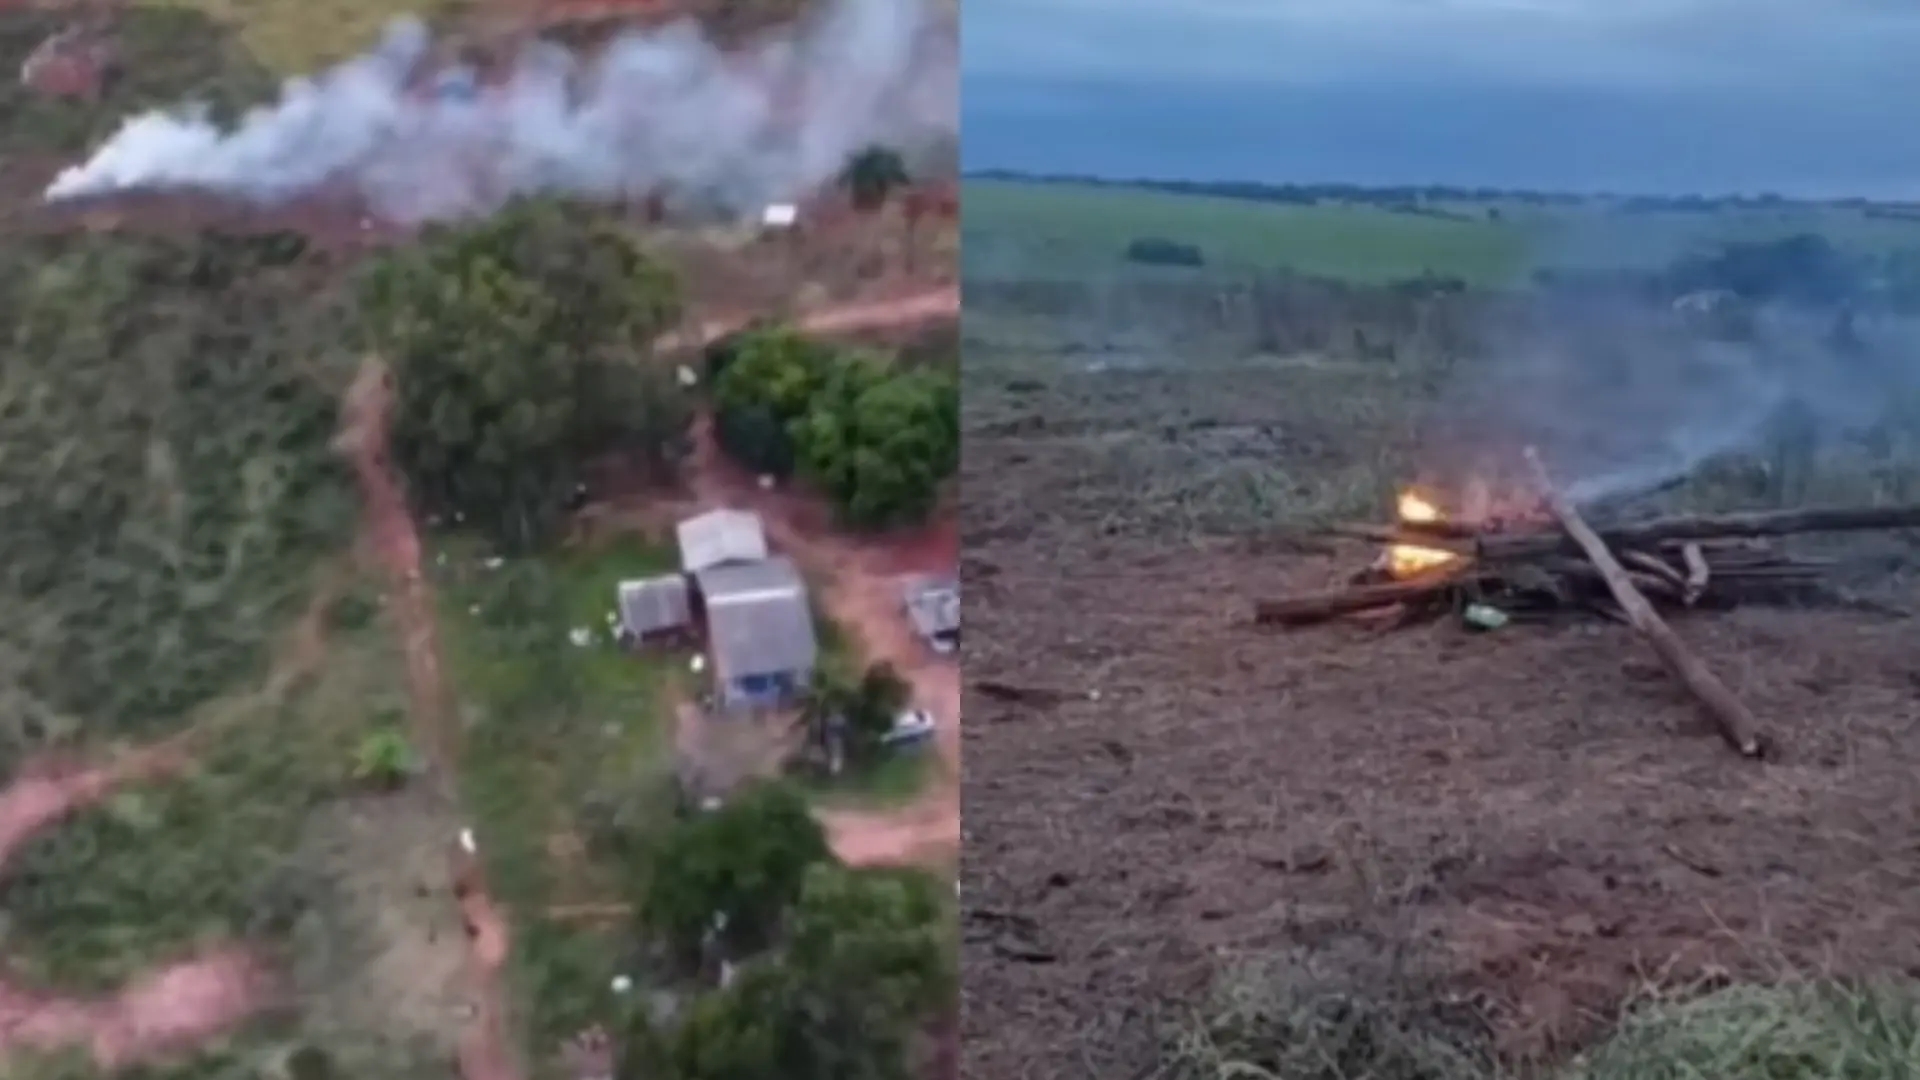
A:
[1736,725]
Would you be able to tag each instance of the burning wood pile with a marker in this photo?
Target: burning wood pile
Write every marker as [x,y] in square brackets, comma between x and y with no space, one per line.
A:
[1531,565]
[1544,558]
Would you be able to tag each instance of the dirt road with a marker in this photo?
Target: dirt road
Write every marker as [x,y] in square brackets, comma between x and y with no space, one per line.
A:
[485,1050]
[927,306]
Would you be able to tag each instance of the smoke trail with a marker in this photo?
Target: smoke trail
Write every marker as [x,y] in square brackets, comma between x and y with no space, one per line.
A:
[664,112]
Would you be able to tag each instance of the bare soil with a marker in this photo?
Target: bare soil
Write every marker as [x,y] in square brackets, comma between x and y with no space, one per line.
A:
[1535,821]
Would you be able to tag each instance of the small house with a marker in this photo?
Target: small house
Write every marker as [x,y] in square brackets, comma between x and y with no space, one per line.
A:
[933,607]
[653,608]
[720,537]
[760,632]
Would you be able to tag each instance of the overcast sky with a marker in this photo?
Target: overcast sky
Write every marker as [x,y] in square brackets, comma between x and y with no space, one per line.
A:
[1817,97]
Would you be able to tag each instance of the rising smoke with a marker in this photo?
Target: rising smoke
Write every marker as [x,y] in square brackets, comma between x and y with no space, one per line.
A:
[665,112]
[1622,400]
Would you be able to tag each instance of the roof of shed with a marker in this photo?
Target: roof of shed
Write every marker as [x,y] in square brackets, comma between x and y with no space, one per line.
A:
[758,619]
[718,537]
[653,604]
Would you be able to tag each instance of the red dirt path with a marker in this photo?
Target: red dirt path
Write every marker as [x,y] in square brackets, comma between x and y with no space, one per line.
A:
[485,1050]
[169,1011]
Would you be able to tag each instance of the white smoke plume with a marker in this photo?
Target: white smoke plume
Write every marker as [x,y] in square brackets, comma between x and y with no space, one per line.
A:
[664,112]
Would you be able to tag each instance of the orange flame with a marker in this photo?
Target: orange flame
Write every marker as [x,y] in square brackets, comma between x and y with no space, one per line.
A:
[1404,560]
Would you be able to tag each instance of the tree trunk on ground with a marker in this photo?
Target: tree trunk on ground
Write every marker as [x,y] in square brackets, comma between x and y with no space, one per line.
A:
[1736,724]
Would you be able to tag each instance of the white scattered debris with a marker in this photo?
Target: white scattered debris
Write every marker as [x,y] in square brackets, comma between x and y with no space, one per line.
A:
[474,610]
[727,972]
[580,636]
[1093,695]
[767,482]
[622,984]
[780,216]
[710,803]
[467,843]
[458,516]
[441,558]
[687,376]
[496,563]
[697,664]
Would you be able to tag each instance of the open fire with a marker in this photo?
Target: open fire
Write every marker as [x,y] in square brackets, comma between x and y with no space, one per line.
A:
[1405,560]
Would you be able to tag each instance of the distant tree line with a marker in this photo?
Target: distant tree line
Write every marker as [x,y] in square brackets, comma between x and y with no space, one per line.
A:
[1422,197]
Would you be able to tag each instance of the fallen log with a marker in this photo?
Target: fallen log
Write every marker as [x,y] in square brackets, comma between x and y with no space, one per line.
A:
[1495,546]
[1320,607]
[1736,724]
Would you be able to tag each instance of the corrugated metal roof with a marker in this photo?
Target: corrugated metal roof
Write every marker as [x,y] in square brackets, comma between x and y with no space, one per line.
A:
[653,604]
[721,536]
[758,619]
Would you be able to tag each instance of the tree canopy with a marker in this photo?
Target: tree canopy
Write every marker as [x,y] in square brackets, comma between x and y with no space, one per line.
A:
[877,439]
[745,861]
[513,344]
[872,175]
[869,955]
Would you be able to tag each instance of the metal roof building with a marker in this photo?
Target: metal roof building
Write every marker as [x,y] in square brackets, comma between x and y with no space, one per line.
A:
[759,628]
[655,605]
[718,537]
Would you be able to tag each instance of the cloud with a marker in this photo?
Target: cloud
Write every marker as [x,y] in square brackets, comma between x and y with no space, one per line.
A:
[1786,68]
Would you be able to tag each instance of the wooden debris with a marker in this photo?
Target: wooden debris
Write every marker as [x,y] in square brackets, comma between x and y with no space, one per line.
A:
[1698,573]
[1319,607]
[1530,568]
[1736,724]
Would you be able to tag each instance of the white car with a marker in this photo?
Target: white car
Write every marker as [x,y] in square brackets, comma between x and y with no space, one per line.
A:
[911,727]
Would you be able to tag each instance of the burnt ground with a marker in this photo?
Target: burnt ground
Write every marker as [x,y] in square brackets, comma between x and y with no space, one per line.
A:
[1515,832]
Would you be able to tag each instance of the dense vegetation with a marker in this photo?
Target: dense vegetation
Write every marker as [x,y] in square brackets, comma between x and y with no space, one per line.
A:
[877,439]
[513,344]
[168,407]
[839,969]
[166,55]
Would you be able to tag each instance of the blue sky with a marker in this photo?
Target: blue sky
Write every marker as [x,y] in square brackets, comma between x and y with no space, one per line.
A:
[1802,97]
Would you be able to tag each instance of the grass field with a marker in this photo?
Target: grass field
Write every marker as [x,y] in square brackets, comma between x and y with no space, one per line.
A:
[1062,230]
[563,740]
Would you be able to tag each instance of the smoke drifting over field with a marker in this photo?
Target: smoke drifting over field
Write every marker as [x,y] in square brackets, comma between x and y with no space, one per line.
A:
[1624,400]
[662,112]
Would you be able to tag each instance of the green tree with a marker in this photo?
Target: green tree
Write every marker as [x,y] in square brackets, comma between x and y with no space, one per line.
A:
[764,381]
[862,710]
[512,343]
[872,175]
[870,954]
[880,443]
[744,862]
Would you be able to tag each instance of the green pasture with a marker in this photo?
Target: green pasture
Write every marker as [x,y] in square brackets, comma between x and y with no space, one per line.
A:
[1067,230]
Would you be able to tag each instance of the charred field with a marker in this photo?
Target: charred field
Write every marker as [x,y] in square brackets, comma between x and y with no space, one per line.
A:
[1197,848]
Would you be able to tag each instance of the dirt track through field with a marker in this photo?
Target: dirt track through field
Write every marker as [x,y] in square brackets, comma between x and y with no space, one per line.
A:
[485,1051]
[919,307]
